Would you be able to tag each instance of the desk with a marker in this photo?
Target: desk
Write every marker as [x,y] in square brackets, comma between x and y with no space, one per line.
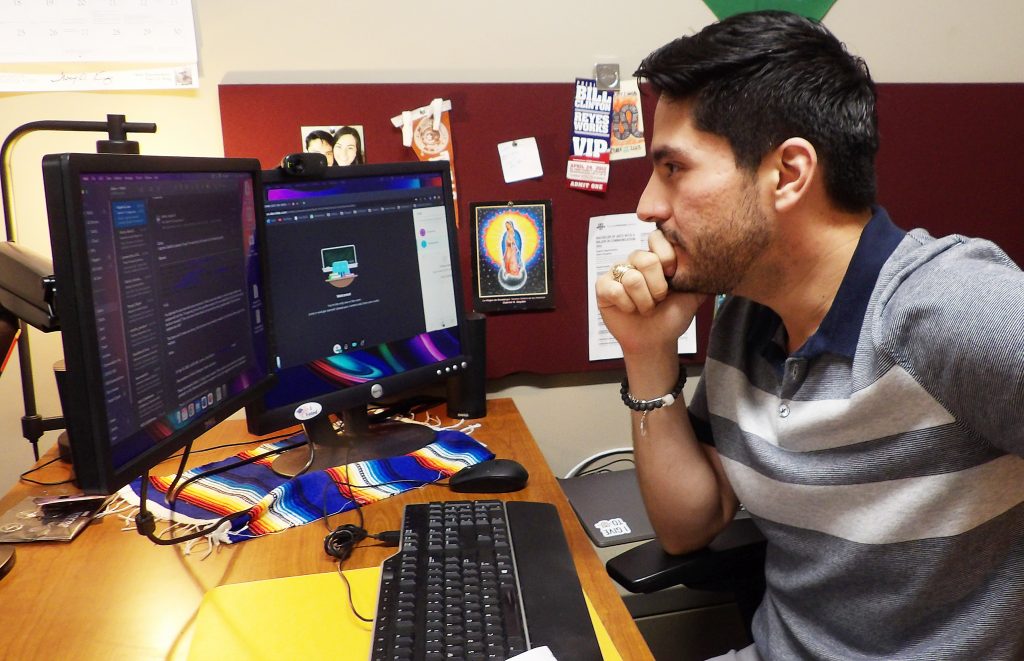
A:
[112,594]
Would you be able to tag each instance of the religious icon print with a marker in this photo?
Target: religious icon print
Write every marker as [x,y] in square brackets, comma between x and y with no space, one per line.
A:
[511,256]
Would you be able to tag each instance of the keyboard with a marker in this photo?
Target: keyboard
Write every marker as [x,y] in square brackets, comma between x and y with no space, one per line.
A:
[481,579]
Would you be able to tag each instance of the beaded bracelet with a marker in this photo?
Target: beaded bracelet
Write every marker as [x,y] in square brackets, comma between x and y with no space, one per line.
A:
[645,406]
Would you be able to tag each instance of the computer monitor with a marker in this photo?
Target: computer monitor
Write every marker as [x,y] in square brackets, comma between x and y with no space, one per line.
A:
[367,331]
[160,298]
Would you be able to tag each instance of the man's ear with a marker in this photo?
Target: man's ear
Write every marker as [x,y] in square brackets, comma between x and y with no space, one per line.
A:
[796,164]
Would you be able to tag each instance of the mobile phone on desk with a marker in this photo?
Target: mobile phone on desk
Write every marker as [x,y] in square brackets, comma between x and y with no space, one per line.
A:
[58,506]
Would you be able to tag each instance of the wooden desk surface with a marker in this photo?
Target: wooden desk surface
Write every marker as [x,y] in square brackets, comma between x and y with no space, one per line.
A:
[112,594]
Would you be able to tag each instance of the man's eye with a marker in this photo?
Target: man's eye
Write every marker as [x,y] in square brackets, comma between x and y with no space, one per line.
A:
[671,168]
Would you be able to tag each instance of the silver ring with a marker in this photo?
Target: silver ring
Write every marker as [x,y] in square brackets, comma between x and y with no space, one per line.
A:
[619,270]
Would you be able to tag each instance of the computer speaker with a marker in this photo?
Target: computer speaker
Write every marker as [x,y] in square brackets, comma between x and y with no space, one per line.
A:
[467,391]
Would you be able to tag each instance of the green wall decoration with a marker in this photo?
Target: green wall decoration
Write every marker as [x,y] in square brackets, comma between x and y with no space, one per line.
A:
[815,9]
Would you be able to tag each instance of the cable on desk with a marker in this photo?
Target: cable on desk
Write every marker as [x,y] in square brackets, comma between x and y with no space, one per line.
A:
[411,405]
[606,467]
[578,468]
[145,522]
[172,495]
[24,475]
[268,439]
[340,542]
[181,471]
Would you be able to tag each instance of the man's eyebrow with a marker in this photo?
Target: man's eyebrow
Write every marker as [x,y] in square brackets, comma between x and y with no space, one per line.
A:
[666,153]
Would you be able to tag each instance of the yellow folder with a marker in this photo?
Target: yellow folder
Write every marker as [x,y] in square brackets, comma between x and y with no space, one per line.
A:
[301,617]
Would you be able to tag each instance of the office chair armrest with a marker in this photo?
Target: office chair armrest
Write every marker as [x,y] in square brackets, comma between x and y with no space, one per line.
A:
[734,557]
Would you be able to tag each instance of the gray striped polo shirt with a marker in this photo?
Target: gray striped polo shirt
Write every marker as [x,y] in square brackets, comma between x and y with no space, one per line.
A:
[882,460]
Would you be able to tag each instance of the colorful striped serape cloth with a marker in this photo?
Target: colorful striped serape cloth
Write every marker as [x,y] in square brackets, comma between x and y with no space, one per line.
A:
[271,503]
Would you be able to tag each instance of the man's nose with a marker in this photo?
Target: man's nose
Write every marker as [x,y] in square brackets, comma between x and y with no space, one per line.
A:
[653,206]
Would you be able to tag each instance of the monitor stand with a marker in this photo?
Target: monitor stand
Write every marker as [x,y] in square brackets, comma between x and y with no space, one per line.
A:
[357,441]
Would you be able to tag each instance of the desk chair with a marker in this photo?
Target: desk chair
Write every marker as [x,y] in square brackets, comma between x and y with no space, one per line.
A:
[732,562]
[724,582]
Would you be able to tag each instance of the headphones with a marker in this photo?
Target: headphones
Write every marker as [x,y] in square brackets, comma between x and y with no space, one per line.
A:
[342,540]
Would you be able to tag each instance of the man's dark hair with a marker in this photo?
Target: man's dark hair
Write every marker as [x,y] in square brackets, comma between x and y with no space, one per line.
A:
[759,78]
[319,134]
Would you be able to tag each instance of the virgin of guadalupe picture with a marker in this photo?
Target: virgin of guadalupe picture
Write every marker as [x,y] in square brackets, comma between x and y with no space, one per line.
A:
[511,261]
[512,275]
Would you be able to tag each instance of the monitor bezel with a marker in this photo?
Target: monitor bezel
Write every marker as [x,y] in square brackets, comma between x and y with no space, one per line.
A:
[82,398]
[261,419]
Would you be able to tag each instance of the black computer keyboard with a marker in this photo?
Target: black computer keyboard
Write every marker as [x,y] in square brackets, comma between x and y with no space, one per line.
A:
[481,579]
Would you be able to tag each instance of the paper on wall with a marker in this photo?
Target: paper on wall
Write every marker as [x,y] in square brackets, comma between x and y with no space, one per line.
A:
[520,159]
[185,76]
[588,167]
[89,45]
[627,122]
[611,239]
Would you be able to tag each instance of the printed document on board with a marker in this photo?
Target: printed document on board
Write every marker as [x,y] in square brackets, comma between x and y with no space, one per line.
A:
[610,240]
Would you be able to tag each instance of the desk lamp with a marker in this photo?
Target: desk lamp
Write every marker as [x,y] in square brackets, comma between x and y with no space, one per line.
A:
[27,287]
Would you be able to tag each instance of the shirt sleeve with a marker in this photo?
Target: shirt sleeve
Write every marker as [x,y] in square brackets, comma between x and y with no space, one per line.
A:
[699,417]
[955,321]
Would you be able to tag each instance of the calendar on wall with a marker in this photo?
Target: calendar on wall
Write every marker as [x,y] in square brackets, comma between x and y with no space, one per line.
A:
[54,45]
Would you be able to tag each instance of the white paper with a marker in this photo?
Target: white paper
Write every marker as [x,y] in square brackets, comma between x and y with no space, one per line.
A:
[610,239]
[520,159]
[88,45]
[536,654]
[182,77]
[98,31]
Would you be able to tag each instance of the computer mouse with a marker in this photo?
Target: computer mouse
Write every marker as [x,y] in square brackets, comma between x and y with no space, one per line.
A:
[494,476]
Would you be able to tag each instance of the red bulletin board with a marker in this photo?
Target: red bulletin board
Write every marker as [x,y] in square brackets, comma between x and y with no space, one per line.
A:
[951,160]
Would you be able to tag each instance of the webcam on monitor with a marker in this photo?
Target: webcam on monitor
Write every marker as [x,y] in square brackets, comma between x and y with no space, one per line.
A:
[304,164]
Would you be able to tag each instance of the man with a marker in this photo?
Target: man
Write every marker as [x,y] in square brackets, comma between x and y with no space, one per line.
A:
[863,386]
[321,142]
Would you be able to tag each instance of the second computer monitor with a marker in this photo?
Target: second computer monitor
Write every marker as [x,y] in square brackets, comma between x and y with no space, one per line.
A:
[160,298]
[351,332]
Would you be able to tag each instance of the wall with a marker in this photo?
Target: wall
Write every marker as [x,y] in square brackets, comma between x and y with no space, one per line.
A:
[254,41]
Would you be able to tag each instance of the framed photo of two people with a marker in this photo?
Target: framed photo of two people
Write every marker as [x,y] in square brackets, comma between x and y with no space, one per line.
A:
[511,256]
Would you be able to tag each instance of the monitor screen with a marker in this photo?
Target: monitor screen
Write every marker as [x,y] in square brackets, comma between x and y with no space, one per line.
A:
[365,294]
[160,300]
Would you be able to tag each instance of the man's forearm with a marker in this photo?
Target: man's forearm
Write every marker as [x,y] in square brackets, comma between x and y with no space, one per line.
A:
[687,496]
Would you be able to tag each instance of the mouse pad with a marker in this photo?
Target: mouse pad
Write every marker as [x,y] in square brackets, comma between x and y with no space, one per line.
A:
[310,619]
[609,506]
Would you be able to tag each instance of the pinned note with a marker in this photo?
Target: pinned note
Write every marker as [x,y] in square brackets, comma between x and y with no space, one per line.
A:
[520,159]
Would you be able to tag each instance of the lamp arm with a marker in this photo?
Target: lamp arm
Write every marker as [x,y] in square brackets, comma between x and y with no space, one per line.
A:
[117,131]
[115,127]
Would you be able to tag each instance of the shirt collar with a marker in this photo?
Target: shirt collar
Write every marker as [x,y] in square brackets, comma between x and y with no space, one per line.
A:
[840,329]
